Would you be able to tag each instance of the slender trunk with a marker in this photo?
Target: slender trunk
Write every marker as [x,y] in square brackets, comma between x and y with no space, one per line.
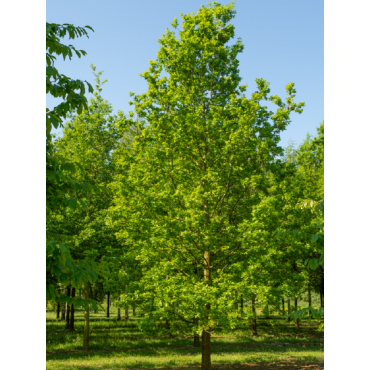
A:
[288,309]
[63,317]
[321,299]
[254,318]
[295,309]
[282,304]
[133,309]
[87,321]
[58,310]
[126,313]
[309,298]
[241,305]
[267,312]
[72,318]
[196,336]
[68,307]
[119,309]
[206,335]
[108,298]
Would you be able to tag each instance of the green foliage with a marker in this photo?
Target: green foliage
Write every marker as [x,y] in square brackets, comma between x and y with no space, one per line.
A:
[59,85]
[198,168]
[61,189]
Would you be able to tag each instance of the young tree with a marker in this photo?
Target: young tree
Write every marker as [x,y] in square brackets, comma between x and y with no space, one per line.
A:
[88,141]
[199,164]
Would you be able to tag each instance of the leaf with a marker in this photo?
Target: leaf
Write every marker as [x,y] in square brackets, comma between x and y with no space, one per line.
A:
[72,203]
[83,205]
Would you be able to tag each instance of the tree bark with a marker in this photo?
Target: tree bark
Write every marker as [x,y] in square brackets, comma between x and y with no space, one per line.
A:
[68,307]
[267,312]
[119,309]
[87,321]
[108,298]
[206,335]
[309,298]
[288,309]
[254,319]
[241,305]
[133,309]
[58,310]
[72,318]
[126,313]
[295,309]
[63,317]
[282,304]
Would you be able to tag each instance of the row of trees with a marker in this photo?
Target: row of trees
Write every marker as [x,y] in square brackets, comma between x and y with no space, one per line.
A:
[192,209]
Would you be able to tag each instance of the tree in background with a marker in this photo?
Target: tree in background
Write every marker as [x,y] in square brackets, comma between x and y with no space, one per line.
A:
[88,140]
[60,266]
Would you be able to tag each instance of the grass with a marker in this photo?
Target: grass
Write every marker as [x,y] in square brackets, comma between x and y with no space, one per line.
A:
[119,345]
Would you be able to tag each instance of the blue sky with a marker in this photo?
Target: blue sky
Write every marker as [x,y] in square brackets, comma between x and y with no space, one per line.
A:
[284,42]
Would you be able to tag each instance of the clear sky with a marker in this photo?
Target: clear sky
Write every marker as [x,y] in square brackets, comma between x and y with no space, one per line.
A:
[283,39]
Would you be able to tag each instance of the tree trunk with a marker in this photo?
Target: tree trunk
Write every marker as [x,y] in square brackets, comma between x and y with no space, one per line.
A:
[206,335]
[87,321]
[196,336]
[119,309]
[72,318]
[282,304]
[267,312]
[309,298]
[126,313]
[288,309]
[133,309]
[108,298]
[321,299]
[63,317]
[254,318]
[295,310]
[58,310]
[68,307]
[241,305]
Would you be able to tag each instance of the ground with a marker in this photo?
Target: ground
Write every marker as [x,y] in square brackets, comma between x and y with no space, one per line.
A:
[119,345]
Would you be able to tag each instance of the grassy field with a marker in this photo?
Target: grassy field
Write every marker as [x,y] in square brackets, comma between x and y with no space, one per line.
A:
[119,345]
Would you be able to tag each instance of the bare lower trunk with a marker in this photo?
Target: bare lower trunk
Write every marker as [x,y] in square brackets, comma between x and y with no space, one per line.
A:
[119,310]
[309,298]
[68,307]
[87,321]
[206,335]
[72,318]
[289,308]
[196,336]
[241,305]
[133,309]
[126,313]
[58,310]
[267,312]
[282,305]
[63,317]
[321,299]
[295,309]
[254,318]
[206,350]
[108,298]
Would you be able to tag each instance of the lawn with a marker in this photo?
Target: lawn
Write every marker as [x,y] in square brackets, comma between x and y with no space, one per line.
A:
[121,345]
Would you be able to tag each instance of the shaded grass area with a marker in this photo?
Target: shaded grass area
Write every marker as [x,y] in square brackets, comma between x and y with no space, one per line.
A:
[121,345]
